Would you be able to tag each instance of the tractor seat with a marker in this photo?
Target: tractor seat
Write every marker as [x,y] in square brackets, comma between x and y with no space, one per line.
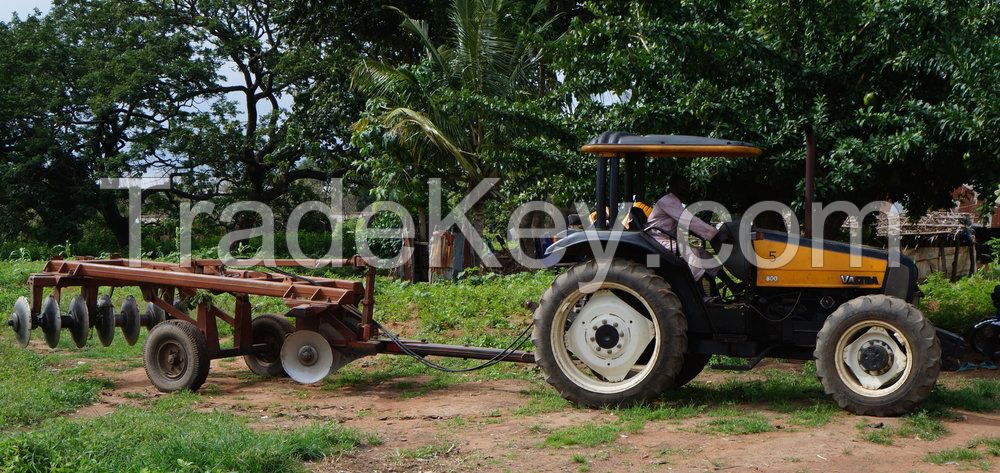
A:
[737,263]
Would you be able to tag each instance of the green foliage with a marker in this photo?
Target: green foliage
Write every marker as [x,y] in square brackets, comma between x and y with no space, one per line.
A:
[170,436]
[957,306]
[462,113]
[489,311]
[900,95]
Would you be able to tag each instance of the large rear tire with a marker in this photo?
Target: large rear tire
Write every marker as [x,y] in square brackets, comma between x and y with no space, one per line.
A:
[878,355]
[615,341]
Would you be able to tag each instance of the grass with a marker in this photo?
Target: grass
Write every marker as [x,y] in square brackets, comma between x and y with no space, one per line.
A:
[32,389]
[426,452]
[170,435]
[733,420]
[920,425]
[628,420]
[976,454]
[543,399]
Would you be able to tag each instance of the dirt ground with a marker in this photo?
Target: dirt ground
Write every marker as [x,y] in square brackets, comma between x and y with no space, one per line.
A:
[472,427]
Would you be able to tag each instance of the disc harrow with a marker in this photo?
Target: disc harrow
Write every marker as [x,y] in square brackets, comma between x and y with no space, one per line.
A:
[328,323]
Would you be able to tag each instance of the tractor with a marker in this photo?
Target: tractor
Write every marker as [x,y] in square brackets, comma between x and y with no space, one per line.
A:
[619,330]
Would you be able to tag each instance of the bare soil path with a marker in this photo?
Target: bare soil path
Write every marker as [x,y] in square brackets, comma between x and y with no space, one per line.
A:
[477,426]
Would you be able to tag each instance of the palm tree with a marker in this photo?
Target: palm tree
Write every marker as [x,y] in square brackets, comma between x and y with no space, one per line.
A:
[451,113]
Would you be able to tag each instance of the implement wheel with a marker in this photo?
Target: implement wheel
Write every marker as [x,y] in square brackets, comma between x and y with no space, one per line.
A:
[612,341]
[176,356]
[878,355]
[269,329]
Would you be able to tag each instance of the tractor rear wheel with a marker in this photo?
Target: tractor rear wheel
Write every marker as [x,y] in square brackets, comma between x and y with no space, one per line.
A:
[878,355]
[269,329]
[614,340]
[176,356]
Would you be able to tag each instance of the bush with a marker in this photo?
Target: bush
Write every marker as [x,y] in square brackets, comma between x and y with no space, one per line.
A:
[957,306]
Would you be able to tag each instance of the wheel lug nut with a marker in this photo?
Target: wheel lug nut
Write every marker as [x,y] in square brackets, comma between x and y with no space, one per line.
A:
[609,351]
[615,325]
[604,322]
[619,345]
[593,339]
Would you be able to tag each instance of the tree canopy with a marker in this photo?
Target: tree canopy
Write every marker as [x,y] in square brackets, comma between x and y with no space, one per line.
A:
[253,100]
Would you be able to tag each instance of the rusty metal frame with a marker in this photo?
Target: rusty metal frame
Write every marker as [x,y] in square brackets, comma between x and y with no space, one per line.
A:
[345,305]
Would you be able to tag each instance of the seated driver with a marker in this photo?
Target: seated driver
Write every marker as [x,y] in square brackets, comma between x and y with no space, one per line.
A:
[664,218]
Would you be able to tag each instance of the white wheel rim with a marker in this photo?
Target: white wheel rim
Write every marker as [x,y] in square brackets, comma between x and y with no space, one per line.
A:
[873,358]
[583,360]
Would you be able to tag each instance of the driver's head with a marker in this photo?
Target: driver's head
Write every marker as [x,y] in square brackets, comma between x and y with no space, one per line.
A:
[679,186]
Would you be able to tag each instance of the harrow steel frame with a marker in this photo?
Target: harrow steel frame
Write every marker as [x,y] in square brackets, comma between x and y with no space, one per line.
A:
[345,305]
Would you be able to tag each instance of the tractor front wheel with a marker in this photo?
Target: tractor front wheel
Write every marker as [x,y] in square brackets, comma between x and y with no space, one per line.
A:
[610,334]
[878,355]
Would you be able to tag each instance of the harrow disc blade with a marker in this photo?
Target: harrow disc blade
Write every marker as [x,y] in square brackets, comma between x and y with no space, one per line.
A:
[51,321]
[131,320]
[104,320]
[80,329]
[154,315]
[181,305]
[306,356]
[20,321]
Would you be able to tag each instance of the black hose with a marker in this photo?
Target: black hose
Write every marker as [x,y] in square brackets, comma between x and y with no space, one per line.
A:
[523,337]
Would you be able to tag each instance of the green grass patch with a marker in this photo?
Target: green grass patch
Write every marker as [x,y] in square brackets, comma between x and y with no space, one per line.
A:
[817,415]
[779,389]
[32,389]
[170,436]
[977,395]
[543,399]
[632,419]
[978,454]
[734,421]
[426,452]
[920,425]
[589,434]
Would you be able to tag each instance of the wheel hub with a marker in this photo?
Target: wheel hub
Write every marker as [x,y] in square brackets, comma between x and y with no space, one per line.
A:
[609,336]
[875,357]
[171,360]
[308,355]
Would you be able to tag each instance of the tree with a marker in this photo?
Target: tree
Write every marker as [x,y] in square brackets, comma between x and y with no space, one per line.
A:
[901,95]
[91,87]
[459,112]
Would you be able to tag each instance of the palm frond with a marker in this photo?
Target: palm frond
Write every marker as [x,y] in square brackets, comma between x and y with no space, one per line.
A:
[420,29]
[415,130]
[377,79]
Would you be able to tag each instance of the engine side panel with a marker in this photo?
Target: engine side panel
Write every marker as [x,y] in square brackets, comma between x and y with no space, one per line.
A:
[832,267]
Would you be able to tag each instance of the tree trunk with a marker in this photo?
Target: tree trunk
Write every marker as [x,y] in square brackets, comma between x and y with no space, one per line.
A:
[117,223]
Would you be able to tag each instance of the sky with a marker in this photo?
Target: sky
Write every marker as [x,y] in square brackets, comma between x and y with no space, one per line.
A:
[23,7]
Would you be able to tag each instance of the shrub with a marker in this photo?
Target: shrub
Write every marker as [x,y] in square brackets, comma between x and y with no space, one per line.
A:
[956,306]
